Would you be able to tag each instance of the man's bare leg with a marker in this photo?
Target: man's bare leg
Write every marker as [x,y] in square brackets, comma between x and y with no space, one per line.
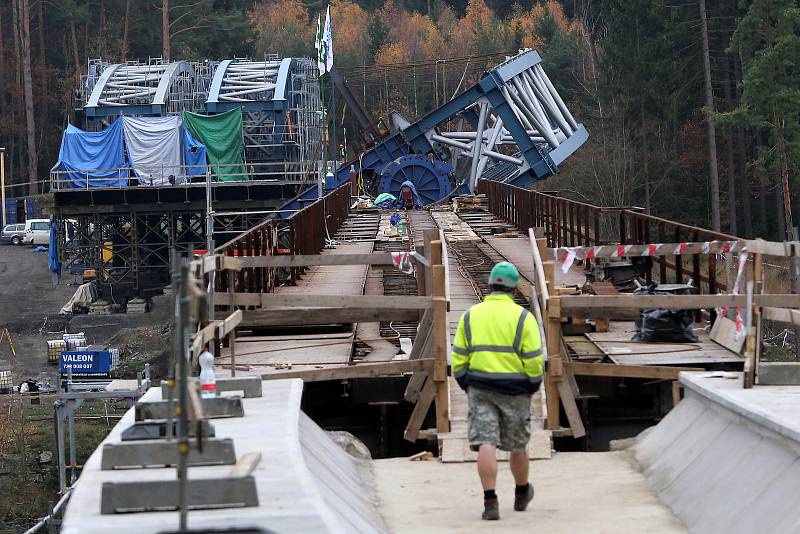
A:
[487,466]
[519,467]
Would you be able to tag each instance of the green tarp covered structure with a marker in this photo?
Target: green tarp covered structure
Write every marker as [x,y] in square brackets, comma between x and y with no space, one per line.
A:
[222,136]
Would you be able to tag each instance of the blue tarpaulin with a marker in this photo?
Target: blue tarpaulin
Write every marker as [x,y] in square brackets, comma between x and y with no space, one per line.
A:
[53,261]
[194,155]
[84,151]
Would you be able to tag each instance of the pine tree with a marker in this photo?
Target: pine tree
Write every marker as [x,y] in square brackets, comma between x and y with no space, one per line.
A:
[768,37]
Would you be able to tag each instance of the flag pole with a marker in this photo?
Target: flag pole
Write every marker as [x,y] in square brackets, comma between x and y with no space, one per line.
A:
[333,112]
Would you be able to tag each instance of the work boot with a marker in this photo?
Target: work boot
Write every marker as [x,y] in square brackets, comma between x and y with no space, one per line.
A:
[491,511]
[521,501]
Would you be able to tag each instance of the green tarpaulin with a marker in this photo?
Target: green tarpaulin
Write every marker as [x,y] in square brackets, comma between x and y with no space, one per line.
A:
[222,136]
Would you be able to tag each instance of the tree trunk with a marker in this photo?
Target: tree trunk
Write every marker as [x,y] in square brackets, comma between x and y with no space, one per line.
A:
[780,148]
[123,52]
[101,33]
[165,29]
[746,187]
[2,68]
[30,125]
[17,47]
[75,54]
[731,163]
[780,235]
[709,102]
[42,49]
[762,208]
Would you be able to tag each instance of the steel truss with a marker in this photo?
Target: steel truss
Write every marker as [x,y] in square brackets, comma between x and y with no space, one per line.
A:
[152,88]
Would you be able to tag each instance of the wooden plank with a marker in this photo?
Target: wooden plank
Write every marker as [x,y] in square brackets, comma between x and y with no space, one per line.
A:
[296,300]
[216,262]
[377,302]
[571,409]
[343,372]
[773,248]
[417,380]
[781,315]
[323,316]
[575,305]
[229,324]
[553,369]
[414,425]
[439,335]
[724,333]
[655,372]
[309,260]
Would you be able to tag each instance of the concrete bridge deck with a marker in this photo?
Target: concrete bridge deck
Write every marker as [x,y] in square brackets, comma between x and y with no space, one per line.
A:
[305,481]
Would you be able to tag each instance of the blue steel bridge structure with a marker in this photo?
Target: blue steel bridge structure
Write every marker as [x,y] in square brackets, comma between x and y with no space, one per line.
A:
[511,126]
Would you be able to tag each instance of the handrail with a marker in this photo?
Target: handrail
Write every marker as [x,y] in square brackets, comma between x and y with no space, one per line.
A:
[569,223]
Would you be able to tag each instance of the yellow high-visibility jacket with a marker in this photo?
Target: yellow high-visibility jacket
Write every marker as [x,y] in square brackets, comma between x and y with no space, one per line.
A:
[498,347]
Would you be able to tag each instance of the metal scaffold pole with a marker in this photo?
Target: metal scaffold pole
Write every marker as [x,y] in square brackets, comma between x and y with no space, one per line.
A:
[183,376]
[210,248]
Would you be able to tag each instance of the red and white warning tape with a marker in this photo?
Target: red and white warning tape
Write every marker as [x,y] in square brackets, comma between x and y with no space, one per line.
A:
[402,261]
[567,255]
[743,256]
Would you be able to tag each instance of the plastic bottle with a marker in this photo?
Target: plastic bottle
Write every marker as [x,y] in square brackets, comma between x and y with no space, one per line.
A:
[401,230]
[208,382]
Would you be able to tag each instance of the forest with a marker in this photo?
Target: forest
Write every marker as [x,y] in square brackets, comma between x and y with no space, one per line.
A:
[692,105]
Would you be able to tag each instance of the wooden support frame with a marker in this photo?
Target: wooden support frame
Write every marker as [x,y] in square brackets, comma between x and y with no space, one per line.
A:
[311,260]
[324,316]
[362,370]
[590,304]
[436,386]
[267,300]
[612,370]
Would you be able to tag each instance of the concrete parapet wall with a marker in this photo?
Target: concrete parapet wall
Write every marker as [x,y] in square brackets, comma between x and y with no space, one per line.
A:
[727,459]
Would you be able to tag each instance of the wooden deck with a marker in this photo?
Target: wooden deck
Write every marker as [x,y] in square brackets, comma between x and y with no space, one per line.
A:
[616,344]
[454,446]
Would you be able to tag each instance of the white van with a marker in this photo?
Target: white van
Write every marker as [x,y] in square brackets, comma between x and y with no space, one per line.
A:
[37,232]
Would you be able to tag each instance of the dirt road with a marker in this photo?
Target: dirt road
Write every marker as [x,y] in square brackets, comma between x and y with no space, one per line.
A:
[29,309]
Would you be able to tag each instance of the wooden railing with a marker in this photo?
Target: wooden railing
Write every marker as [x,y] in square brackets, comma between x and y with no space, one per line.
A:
[428,357]
[568,223]
[304,232]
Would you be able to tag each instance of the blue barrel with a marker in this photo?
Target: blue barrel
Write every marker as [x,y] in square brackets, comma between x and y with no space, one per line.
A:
[330,183]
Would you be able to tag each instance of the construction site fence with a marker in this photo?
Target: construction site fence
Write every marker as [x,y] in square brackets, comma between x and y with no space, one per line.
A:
[304,232]
[569,223]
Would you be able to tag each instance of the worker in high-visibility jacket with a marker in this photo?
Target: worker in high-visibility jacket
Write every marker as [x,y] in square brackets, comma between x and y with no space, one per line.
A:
[497,358]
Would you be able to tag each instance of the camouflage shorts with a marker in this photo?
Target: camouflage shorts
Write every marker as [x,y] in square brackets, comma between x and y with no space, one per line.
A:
[502,420]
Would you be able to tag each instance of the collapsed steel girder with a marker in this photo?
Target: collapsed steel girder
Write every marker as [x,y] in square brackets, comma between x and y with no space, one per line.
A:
[514,103]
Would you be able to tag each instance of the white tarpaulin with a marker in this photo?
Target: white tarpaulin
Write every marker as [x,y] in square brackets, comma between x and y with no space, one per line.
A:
[154,148]
[84,295]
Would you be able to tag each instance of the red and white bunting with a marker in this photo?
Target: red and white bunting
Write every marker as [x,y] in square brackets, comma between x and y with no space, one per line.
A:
[567,255]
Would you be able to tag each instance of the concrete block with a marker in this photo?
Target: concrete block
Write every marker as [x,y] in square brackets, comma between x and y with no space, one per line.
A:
[160,453]
[162,495]
[779,374]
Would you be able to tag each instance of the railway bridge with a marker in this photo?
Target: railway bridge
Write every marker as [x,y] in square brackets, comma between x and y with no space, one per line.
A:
[336,318]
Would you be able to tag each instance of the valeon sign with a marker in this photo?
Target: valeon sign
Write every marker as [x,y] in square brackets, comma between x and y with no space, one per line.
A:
[85,362]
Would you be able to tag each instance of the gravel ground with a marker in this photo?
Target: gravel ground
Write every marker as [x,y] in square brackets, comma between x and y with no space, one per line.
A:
[29,308]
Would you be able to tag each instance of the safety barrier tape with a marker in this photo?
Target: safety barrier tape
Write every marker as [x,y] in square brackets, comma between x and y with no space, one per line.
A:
[567,255]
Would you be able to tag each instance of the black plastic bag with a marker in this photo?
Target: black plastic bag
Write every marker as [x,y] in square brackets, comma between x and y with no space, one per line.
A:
[660,325]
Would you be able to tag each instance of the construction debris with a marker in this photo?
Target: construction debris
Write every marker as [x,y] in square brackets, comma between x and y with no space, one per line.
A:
[470,203]
[139,305]
[100,307]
